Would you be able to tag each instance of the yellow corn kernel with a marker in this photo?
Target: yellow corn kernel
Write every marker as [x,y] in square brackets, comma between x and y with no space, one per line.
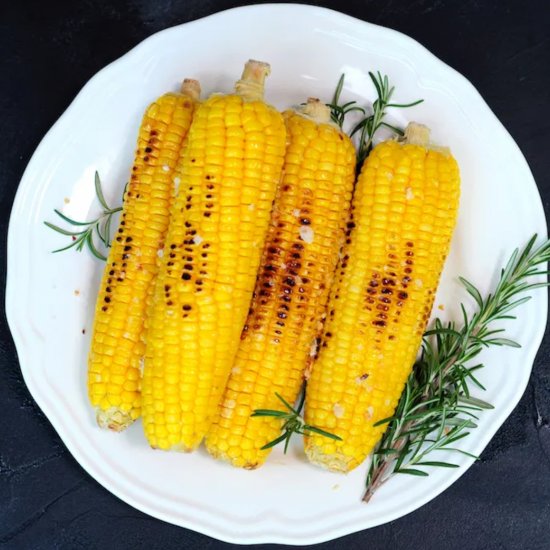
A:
[299,257]
[116,348]
[211,256]
[404,211]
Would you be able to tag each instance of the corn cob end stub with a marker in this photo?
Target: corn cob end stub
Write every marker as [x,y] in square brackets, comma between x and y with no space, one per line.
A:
[192,88]
[251,84]
[114,419]
[315,110]
[334,462]
[417,134]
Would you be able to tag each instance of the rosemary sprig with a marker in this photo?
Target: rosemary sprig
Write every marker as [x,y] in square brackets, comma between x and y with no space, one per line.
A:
[436,408]
[293,421]
[368,127]
[83,234]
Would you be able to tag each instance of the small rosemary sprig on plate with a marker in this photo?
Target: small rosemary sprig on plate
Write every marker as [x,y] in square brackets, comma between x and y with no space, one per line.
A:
[83,234]
[367,127]
[436,408]
[293,421]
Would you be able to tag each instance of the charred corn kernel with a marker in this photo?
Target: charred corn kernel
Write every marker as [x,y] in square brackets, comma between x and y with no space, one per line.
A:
[404,211]
[292,285]
[219,221]
[116,348]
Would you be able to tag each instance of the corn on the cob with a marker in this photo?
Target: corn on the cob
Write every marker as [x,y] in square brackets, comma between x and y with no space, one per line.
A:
[404,210]
[219,221]
[114,370]
[298,262]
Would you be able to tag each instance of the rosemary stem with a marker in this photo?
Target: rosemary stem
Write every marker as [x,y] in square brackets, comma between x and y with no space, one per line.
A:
[379,476]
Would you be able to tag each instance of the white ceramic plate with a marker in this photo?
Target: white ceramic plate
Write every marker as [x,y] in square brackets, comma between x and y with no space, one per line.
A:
[50,297]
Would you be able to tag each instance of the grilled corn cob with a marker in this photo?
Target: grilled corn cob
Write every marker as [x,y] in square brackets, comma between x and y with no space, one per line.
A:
[219,221]
[405,210]
[298,262]
[114,370]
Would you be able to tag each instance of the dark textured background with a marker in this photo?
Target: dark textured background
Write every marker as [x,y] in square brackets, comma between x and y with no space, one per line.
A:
[48,52]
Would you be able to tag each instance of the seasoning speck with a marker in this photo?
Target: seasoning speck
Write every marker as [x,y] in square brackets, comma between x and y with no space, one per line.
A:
[307,234]
[369,413]
[166,168]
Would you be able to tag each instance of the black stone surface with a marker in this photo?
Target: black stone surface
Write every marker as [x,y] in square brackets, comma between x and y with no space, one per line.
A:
[49,50]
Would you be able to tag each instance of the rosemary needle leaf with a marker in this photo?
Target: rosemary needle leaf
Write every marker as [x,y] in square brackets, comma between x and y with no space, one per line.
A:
[436,463]
[385,421]
[394,129]
[376,83]
[269,412]
[71,221]
[287,441]
[72,245]
[93,249]
[107,231]
[472,290]
[405,105]
[63,231]
[476,402]
[99,192]
[276,441]
[286,404]
[307,428]
[503,342]
[338,90]
[465,453]
[412,472]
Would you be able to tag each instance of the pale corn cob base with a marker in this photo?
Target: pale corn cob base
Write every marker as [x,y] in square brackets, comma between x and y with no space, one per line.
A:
[405,210]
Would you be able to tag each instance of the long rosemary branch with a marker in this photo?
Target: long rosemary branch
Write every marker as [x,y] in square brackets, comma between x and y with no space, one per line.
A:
[436,408]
